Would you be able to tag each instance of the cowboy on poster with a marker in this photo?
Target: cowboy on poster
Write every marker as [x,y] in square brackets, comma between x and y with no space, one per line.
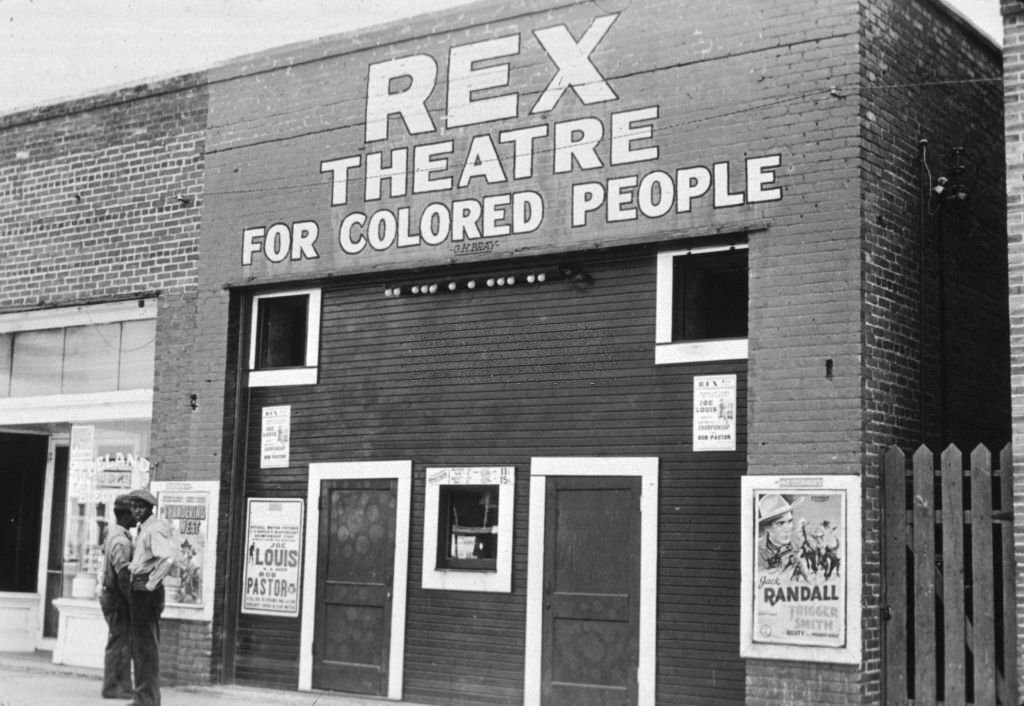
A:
[797,564]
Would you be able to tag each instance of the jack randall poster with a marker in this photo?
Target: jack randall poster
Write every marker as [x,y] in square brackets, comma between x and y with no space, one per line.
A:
[273,557]
[191,510]
[801,568]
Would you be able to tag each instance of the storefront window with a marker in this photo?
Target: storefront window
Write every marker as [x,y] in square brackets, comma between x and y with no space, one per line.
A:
[78,359]
[106,459]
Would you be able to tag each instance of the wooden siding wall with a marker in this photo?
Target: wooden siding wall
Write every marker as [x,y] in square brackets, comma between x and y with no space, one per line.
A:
[493,377]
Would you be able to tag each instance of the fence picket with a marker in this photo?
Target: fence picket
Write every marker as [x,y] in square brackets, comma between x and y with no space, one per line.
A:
[895,533]
[1008,693]
[924,577]
[954,655]
[983,584]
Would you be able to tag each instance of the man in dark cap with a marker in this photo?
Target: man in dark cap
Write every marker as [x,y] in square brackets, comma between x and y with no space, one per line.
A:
[115,600]
[152,559]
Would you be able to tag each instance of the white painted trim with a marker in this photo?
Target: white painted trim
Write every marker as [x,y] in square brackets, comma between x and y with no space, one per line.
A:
[646,468]
[85,315]
[701,351]
[44,534]
[282,377]
[84,407]
[305,375]
[851,653]
[402,472]
[499,581]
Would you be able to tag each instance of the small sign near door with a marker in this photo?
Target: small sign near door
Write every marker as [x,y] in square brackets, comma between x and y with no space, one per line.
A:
[714,413]
[275,439]
[273,557]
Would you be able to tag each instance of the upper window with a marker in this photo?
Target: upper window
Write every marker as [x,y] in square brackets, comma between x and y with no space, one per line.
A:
[702,304]
[285,338]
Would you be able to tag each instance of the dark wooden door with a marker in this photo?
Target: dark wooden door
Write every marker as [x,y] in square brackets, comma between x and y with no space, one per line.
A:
[354,585]
[591,591]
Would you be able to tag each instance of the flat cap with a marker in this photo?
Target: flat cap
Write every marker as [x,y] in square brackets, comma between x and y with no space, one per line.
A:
[143,495]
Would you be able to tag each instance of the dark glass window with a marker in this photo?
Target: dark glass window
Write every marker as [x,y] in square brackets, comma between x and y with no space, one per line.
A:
[710,293]
[281,331]
[469,533]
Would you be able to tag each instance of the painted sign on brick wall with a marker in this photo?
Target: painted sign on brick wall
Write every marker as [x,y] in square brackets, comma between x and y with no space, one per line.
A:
[517,141]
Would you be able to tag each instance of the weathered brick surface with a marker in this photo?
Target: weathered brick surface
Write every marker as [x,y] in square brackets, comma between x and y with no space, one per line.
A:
[935,332]
[1013,87]
[100,200]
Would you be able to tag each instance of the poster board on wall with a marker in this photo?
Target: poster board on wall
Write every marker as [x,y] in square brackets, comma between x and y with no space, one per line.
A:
[272,578]
[801,568]
[191,507]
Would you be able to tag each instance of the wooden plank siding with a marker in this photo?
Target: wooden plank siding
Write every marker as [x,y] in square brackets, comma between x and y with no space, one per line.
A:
[494,377]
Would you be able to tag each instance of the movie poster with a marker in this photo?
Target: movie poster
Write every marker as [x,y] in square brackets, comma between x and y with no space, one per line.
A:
[191,510]
[799,565]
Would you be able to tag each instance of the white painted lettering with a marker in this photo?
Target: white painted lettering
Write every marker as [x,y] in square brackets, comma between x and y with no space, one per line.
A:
[394,173]
[760,173]
[577,140]
[411,103]
[625,133]
[464,79]
[482,161]
[575,69]
[723,197]
[586,197]
[691,183]
[522,148]
[339,169]
[428,159]
[352,243]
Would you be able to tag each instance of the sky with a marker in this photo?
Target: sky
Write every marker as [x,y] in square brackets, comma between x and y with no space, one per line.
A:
[52,50]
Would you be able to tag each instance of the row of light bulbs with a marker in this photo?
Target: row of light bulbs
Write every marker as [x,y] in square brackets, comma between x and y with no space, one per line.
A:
[453,285]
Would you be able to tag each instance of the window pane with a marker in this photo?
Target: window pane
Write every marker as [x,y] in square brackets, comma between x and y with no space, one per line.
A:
[281,332]
[38,356]
[138,353]
[90,358]
[6,340]
[710,294]
[472,522]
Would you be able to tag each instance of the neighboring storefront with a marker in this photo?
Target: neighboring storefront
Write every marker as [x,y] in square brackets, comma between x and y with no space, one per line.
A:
[99,212]
[537,310]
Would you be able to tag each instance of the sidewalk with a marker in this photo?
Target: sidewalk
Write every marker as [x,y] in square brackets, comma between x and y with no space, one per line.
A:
[33,680]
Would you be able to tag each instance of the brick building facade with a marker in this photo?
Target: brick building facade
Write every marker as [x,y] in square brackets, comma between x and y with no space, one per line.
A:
[534,347]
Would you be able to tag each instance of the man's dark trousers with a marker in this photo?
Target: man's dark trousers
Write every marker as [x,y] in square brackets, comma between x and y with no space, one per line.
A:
[117,658]
[146,609]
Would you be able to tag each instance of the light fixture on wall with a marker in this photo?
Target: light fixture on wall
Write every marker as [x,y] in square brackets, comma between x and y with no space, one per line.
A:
[567,273]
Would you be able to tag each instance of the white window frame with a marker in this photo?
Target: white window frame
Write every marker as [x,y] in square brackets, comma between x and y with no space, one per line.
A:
[498,580]
[299,375]
[667,351]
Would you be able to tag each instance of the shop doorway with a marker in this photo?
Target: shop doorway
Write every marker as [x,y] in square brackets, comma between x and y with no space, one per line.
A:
[354,577]
[22,479]
[354,585]
[591,591]
[592,581]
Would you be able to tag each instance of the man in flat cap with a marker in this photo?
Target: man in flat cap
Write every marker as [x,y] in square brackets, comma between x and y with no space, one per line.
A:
[115,600]
[153,558]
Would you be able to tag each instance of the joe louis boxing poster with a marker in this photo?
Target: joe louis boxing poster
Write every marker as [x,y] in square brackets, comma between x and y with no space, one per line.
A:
[273,557]
[801,568]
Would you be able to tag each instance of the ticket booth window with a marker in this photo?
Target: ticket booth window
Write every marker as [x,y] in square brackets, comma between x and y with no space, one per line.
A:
[702,303]
[467,533]
[285,338]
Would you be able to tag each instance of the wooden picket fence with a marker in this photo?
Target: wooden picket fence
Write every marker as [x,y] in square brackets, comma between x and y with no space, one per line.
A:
[950,618]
